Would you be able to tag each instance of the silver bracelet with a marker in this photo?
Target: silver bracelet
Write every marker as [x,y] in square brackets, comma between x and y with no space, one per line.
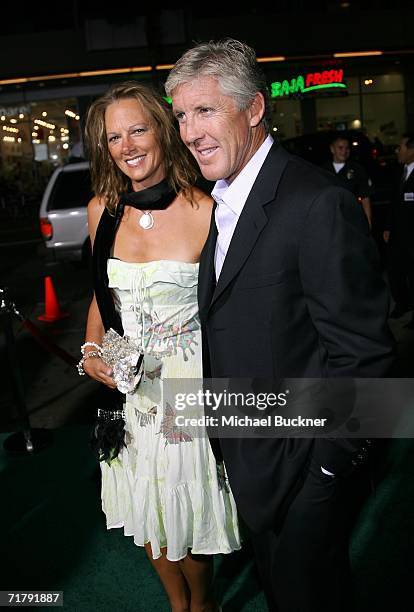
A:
[84,357]
[83,347]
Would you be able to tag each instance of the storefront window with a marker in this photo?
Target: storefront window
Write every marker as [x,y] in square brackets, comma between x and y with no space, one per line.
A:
[384,83]
[286,118]
[352,85]
[338,113]
[375,104]
[383,107]
[35,138]
[41,131]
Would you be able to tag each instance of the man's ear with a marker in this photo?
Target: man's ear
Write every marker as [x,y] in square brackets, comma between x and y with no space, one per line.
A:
[257,109]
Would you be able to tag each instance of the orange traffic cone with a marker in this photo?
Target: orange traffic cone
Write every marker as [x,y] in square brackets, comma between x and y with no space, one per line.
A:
[52,309]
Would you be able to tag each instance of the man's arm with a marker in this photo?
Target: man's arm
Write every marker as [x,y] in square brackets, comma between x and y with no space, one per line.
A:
[364,187]
[346,296]
[366,205]
[348,303]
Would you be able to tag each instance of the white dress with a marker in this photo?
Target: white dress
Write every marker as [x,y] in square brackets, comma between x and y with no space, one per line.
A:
[164,489]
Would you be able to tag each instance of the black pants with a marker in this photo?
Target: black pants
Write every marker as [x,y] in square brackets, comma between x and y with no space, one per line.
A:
[305,566]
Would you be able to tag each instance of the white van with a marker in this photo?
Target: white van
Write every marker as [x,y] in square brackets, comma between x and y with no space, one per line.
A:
[63,218]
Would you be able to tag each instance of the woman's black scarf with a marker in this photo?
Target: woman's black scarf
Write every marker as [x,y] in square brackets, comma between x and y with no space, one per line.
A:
[109,431]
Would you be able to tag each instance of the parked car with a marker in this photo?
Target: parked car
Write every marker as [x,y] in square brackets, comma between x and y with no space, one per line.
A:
[63,217]
[315,148]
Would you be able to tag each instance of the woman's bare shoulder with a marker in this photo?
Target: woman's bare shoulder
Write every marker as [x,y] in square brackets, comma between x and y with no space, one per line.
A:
[202,201]
[96,206]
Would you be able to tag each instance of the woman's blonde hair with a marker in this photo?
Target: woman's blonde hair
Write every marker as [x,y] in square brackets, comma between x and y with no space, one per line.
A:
[107,179]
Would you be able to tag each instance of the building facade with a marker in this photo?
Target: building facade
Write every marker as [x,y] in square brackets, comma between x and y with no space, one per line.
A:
[354,72]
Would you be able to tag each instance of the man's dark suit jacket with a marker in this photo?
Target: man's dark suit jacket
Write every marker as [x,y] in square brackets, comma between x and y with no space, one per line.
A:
[300,295]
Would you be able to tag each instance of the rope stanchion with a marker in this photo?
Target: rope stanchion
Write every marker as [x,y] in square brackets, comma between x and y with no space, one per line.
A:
[50,346]
[28,440]
[40,337]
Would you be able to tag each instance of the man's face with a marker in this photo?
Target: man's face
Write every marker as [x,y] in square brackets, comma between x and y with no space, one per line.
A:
[404,153]
[340,150]
[220,136]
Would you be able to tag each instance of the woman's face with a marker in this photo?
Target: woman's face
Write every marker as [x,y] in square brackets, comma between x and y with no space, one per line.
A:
[132,143]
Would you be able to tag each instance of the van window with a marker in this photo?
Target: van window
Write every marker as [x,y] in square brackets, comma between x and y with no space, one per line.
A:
[71,190]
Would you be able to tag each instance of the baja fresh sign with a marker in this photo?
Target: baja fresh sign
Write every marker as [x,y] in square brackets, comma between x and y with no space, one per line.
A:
[312,81]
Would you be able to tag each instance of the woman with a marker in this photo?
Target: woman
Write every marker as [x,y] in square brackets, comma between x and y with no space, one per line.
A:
[150,224]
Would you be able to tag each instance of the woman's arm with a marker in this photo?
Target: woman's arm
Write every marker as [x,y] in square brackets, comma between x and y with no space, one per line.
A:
[94,366]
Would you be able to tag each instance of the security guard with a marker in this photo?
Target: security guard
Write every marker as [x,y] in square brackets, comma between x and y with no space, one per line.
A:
[351,173]
[400,234]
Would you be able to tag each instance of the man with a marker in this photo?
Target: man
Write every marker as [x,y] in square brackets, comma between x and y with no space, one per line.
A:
[399,235]
[350,172]
[289,286]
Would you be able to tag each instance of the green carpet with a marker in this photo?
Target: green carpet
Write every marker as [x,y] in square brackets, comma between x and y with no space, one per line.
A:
[54,537]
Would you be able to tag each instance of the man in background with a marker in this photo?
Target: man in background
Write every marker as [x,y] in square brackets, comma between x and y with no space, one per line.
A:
[352,174]
[399,234]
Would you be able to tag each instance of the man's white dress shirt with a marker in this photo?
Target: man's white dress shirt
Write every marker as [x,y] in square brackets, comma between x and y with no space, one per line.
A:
[231,199]
[408,168]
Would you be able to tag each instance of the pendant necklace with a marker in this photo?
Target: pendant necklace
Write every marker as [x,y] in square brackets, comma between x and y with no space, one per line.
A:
[157,197]
[147,220]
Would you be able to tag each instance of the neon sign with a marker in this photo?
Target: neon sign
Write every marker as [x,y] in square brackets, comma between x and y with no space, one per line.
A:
[312,81]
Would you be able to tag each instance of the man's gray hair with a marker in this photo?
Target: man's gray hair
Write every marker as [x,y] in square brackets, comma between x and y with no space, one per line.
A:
[232,63]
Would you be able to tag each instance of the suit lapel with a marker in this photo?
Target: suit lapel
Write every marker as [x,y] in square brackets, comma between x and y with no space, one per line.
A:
[252,219]
[207,275]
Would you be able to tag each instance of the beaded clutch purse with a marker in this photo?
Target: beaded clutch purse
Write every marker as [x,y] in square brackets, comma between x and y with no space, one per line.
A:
[125,359]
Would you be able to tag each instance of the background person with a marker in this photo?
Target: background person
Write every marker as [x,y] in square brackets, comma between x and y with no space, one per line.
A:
[400,234]
[148,225]
[289,287]
[352,174]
